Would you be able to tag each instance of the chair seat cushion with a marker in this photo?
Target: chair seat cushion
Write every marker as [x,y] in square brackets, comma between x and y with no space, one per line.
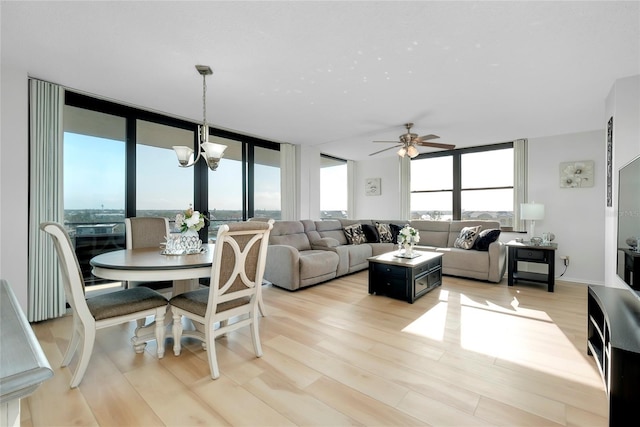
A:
[124,302]
[196,302]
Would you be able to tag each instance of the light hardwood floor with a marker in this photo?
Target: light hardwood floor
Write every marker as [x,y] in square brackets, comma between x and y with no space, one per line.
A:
[468,353]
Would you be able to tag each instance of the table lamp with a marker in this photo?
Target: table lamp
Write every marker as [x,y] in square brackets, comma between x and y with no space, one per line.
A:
[532,212]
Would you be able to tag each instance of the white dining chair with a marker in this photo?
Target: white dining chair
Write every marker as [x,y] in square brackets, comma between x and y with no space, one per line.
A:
[231,301]
[101,311]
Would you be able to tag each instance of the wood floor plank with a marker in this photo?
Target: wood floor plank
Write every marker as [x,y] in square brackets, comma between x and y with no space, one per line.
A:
[467,353]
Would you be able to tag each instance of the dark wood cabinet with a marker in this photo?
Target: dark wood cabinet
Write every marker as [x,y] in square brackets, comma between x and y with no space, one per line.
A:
[525,252]
[613,339]
[406,279]
[632,268]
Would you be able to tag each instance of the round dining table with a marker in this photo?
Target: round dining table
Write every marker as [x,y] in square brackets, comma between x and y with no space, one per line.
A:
[150,265]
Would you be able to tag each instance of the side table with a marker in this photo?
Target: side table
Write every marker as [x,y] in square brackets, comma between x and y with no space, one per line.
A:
[528,252]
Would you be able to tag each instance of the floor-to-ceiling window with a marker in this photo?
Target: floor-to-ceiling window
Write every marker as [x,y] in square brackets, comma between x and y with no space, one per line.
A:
[333,187]
[94,182]
[468,183]
[266,183]
[119,163]
[162,188]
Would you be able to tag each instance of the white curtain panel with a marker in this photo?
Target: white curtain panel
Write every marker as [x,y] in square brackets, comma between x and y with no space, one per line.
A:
[288,182]
[46,291]
[519,182]
[351,189]
[405,187]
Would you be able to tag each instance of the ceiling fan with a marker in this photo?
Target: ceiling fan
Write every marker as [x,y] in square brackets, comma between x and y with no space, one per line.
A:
[408,142]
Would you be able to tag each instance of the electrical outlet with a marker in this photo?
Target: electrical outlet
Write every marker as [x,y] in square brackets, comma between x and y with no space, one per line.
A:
[565,258]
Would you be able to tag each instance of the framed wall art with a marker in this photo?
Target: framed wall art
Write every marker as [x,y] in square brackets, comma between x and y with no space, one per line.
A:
[576,174]
[610,163]
[372,187]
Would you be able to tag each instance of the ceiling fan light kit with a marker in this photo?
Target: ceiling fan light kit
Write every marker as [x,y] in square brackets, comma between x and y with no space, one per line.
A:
[409,140]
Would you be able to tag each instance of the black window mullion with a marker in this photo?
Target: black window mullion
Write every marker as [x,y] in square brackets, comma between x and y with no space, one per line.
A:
[457,185]
[248,176]
[130,168]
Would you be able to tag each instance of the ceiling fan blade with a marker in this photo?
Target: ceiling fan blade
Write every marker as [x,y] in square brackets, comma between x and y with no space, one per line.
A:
[390,148]
[436,145]
[426,137]
[392,142]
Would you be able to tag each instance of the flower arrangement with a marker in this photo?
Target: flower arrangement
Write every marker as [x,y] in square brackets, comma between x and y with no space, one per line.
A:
[189,220]
[408,235]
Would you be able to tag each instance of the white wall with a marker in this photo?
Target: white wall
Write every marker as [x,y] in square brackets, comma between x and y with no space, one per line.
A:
[387,204]
[574,215]
[623,104]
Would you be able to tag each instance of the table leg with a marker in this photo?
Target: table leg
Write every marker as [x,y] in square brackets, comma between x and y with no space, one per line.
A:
[144,333]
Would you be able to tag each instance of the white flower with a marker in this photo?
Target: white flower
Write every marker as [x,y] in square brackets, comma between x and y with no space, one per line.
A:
[408,235]
[189,220]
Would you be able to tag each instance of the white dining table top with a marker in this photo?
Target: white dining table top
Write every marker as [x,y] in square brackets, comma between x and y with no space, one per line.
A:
[151,264]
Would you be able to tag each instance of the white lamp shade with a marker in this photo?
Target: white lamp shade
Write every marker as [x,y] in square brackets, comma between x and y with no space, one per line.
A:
[402,152]
[184,154]
[213,150]
[532,211]
[412,151]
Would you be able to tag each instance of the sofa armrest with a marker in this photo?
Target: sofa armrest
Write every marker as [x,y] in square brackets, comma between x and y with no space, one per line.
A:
[497,261]
[325,243]
[282,266]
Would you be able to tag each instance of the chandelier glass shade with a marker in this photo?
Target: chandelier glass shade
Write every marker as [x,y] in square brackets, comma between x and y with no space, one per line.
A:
[211,152]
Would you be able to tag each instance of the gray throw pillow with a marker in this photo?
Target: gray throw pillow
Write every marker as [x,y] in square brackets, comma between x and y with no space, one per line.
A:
[467,237]
[355,234]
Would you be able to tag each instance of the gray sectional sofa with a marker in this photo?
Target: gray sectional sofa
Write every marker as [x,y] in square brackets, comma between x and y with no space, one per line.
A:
[306,252]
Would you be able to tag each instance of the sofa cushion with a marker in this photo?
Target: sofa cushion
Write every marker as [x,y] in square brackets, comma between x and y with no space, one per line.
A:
[329,228]
[371,233]
[355,234]
[485,238]
[467,237]
[384,232]
[433,233]
[289,233]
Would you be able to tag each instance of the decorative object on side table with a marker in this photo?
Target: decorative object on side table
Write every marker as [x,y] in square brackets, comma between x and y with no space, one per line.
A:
[188,223]
[536,241]
[407,237]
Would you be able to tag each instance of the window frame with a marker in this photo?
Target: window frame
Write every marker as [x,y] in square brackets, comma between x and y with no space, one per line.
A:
[200,169]
[456,155]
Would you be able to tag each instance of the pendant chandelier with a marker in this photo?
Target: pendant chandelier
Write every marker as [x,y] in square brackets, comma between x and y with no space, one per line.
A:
[211,152]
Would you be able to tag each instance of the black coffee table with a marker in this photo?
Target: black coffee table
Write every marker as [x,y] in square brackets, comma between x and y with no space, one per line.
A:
[405,278]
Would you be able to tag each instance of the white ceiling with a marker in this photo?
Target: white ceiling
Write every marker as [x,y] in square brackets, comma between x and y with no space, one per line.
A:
[338,75]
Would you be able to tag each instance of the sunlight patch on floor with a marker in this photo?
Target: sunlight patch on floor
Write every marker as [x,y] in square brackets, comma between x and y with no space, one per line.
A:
[496,330]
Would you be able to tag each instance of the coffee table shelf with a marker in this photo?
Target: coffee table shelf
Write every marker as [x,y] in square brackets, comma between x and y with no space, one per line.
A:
[405,278]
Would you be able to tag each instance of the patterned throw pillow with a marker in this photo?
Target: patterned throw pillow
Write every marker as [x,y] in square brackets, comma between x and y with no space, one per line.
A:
[354,234]
[384,231]
[485,238]
[467,237]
